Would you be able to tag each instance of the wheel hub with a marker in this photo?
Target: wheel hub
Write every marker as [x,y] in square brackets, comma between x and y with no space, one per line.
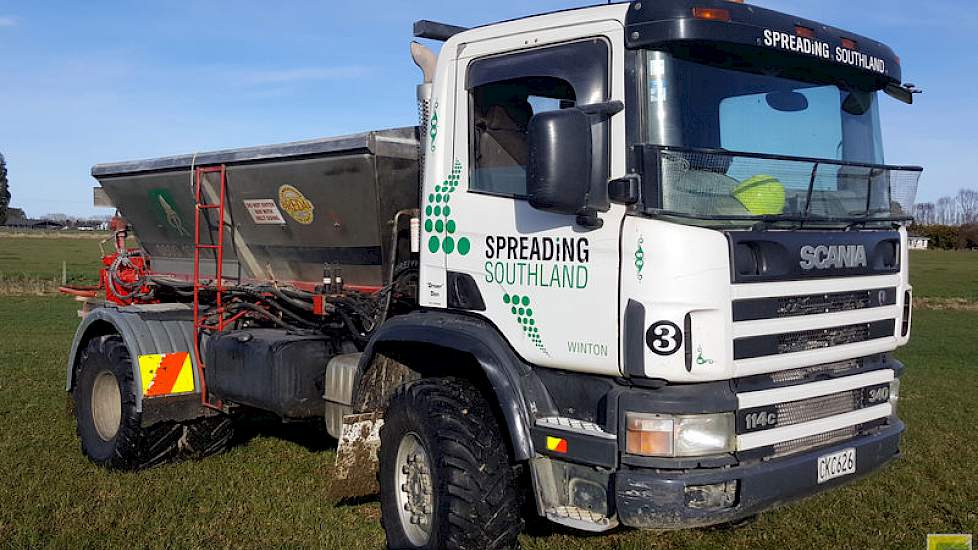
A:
[415,499]
[106,405]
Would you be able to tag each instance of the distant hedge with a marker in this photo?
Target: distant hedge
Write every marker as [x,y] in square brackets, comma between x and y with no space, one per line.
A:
[948,237]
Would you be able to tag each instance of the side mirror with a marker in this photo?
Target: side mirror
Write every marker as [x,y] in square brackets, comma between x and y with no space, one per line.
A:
[558,177]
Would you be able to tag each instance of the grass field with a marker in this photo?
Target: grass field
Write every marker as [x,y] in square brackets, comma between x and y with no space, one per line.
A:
[25,258]
[944,274]
[272,488]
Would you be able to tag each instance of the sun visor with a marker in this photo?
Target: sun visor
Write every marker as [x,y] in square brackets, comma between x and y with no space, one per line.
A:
[751,38]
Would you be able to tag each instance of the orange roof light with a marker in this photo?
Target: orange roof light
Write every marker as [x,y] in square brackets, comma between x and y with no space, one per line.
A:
[849,44]
[712,14]
[804,32]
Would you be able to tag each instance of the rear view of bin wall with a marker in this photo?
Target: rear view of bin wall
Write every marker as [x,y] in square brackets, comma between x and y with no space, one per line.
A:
[290,208]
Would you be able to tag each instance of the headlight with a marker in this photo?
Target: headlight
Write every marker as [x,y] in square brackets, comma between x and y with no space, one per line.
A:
[678,436]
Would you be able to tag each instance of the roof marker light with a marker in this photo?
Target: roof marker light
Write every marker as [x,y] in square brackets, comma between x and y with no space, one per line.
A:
[804,32]
[712,14]
[849,44]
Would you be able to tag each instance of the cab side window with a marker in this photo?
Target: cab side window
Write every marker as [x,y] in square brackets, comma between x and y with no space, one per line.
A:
[507,90]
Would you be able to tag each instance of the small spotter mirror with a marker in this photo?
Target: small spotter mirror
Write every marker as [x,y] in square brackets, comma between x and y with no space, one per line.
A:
[787,102]
[857,103]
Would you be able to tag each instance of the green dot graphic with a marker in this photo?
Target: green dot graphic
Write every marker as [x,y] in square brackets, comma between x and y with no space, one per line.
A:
[438,211]
[450,226]
[505,298]
[464,246]
[439,226]
[526,300]
[529,312]
[447,210]
[431,197]
[448,245]
[513,309]
[433,244]
[521,311]
[428,226]
[427,210]
[438,197]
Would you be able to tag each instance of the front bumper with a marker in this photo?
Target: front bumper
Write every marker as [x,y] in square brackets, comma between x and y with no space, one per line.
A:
[656,499]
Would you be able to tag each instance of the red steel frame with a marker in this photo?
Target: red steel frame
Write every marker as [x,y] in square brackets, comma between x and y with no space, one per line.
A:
[200,212]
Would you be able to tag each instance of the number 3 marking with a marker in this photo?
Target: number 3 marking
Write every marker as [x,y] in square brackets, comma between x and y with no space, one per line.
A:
[664,338]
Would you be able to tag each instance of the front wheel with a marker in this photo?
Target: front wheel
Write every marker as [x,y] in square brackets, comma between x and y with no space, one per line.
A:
[446,477]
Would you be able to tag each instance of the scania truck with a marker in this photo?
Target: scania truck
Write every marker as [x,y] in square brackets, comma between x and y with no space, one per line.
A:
[641,264]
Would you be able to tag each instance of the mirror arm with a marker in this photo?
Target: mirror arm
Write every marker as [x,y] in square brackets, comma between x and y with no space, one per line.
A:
[588,217]
[605,109]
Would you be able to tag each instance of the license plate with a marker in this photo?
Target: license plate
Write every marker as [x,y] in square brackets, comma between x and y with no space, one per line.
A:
[836,465]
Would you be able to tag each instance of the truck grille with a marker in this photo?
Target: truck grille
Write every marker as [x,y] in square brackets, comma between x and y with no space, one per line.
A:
[812,304]
[794,375]
[807,340]
[815,408]
[813,441]
[826,303]
[822,338]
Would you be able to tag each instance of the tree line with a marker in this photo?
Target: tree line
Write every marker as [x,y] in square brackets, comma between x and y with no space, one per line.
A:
[4,190]
[961,209]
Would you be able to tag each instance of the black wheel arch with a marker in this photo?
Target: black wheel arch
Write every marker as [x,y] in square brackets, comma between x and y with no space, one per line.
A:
[464,347]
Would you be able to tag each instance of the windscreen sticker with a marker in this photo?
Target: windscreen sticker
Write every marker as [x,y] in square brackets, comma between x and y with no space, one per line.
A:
[296,204]
[818,48]
[264,211]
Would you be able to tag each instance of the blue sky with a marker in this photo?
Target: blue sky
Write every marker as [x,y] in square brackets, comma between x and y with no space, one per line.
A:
[96,81]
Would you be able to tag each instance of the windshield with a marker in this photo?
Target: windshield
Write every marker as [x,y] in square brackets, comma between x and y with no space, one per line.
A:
[813,150]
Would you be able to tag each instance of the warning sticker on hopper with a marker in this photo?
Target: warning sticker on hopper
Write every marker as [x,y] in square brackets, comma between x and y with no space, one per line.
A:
[264,211]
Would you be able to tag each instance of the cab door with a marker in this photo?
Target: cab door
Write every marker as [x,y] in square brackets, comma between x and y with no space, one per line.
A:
[548,284]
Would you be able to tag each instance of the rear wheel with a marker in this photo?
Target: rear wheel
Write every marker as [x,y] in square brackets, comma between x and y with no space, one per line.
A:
[109,426]
[446,477]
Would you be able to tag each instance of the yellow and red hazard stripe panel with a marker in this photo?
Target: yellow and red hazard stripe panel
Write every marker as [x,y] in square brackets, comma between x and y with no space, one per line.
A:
[557,444]
[166,374]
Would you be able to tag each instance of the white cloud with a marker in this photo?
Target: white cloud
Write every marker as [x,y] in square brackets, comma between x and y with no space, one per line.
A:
[8,21]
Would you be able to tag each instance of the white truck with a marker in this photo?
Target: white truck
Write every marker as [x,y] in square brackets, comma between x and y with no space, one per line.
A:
[641,264]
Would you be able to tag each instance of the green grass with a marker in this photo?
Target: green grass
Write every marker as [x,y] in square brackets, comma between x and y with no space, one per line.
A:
[944,274]
[272,489]
[40,257]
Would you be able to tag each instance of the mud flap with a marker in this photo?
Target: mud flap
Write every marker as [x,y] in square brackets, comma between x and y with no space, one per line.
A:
[356,456]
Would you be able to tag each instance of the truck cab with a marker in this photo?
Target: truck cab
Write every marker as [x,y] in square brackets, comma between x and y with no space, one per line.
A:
[678,216]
